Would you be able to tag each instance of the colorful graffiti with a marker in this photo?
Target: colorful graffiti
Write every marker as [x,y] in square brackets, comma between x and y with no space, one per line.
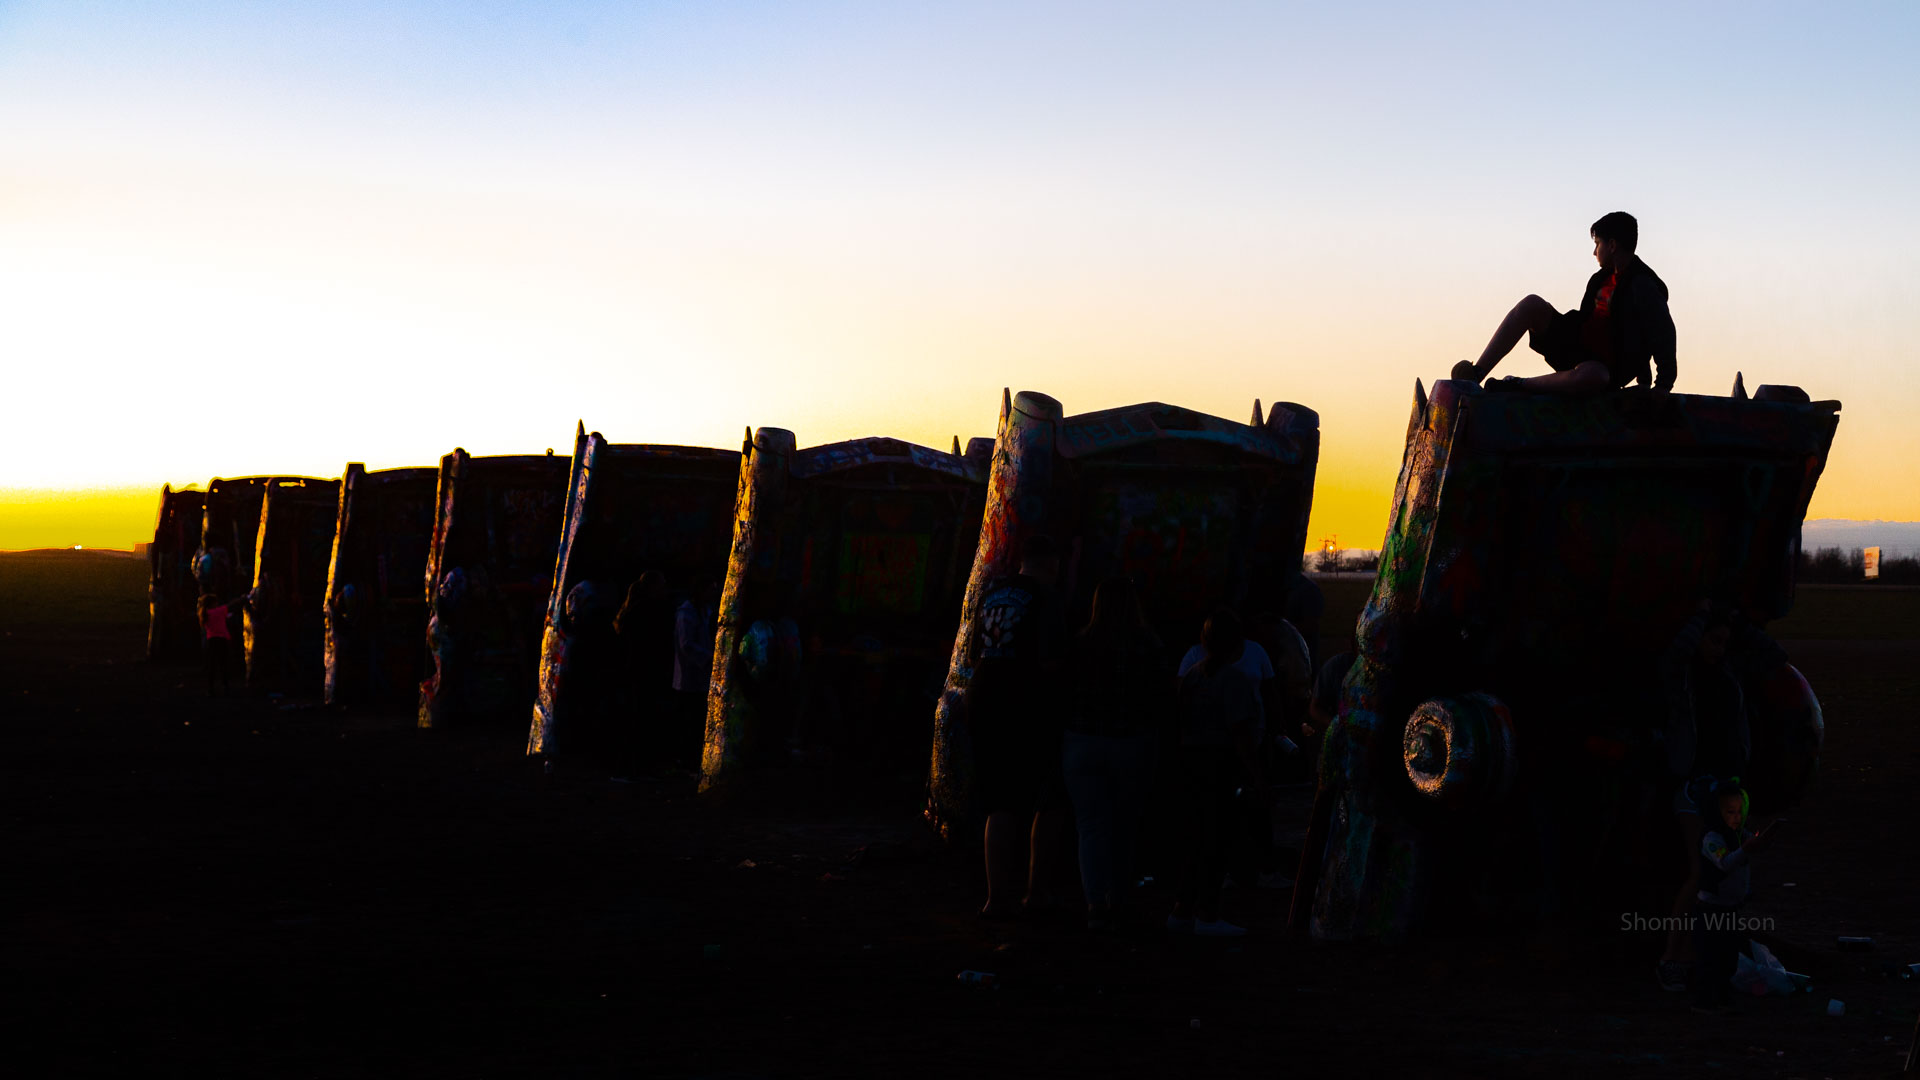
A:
[846,574]
[631,508]
[1198,510]
[1541,554]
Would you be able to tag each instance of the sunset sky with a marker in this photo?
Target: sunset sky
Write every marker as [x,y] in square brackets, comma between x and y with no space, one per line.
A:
[241,237]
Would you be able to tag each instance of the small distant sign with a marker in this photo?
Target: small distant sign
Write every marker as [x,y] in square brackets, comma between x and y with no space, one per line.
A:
[1870,562]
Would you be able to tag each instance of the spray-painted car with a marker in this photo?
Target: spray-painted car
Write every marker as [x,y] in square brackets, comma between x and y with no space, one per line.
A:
[285,635]
[843,586]
[229,528]
[496,528]
[1497,754]
[172,630]
[1196,510]
[376,610]
[631,508]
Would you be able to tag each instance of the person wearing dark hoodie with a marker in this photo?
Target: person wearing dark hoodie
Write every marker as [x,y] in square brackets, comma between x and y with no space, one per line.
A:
[1122,698]
[643,628]
[1622,323]
[1707,738]
[1220,731]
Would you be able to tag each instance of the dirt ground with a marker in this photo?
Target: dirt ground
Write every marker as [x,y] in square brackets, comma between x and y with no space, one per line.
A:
[236,886]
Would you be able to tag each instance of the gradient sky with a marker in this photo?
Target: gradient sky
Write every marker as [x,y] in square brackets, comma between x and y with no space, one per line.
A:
[241,237]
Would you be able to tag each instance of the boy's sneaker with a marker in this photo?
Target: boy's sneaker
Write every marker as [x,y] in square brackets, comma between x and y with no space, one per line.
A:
[1672,975]
[1217,928]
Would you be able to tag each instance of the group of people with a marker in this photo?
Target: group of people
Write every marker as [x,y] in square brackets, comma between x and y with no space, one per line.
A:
[218,616]
[640,672]
[1707,674]
[1103,736]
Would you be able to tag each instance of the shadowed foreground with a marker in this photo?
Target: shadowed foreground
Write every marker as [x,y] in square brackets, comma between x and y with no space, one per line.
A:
[312,892]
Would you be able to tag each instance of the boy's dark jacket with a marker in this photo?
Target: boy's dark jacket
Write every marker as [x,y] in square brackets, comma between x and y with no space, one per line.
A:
[1638,322]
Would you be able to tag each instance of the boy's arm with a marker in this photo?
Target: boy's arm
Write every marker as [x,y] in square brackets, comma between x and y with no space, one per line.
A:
[1657,325]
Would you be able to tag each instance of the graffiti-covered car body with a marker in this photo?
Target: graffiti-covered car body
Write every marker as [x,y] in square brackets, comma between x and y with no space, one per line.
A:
[631,508]
[1198,511]
[852,557]
[284,631]
[1504,714]
[376,600]
[173,633]
[496,527]
[229,529]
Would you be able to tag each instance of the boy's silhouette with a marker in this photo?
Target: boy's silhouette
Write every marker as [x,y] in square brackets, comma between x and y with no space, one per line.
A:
[1621,324]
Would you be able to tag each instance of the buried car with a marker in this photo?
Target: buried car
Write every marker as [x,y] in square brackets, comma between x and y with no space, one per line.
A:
[1498,755]
[1198,511]
[842,590]
[631,509]
[173,632]
[229,528]
[376,607]
[283,623]
[490,567]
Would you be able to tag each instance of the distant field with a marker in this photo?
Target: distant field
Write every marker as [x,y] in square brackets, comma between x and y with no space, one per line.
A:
[1878,612]
[1884,612]
[98,589]
[72,587]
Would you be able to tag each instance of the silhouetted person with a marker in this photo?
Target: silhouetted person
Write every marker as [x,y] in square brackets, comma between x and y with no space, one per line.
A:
[1622,323]
[600,729]
[1219,737]
[1283,700]
[1014,719]
[769,657]
[693,633]
[1708,739]
[1304,605]
[212,567]
[644,629]
[1117,675]
[216,641]
[1324,708]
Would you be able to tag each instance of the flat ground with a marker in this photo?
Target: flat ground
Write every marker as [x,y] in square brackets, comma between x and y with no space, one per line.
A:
[230,885]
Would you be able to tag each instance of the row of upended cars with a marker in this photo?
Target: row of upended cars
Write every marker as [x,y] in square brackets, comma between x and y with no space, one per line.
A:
[1540,554]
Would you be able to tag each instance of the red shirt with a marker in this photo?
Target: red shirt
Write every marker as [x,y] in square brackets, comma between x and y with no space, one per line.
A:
[1595,335]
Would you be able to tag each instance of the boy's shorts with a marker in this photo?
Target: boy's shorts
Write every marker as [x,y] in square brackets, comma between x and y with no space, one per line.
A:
[1563,346]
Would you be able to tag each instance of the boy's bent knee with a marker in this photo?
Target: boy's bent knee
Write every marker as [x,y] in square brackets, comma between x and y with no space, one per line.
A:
[1591,375]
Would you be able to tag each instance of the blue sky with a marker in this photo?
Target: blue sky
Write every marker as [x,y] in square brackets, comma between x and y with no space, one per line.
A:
[675,220]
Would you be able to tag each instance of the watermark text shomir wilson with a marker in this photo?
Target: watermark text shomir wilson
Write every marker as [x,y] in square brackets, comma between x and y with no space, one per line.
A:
[1632,921]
